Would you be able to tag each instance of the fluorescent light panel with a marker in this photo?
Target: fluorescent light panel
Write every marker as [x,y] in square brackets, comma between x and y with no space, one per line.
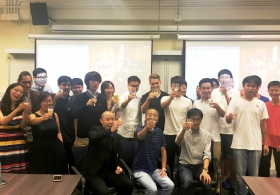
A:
[228,37]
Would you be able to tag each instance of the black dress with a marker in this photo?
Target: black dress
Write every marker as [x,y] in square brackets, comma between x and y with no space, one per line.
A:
[48,156]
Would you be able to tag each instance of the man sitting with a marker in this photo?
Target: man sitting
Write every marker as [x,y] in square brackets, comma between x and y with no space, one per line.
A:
[150,141]
[195,154]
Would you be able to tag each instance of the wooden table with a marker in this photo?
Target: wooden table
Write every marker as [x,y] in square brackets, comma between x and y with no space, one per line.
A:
[38,184]
[263,185]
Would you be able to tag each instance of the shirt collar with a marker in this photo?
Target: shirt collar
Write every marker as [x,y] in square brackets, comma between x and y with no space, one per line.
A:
[208,101]
[193,133]
[27,94]
[92,94]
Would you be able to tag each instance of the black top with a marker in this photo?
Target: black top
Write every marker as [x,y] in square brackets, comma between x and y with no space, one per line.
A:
[88,116]
[63,108]
[155,103]
[104,151]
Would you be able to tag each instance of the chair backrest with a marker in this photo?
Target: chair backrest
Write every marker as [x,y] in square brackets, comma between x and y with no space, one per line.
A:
[79,155]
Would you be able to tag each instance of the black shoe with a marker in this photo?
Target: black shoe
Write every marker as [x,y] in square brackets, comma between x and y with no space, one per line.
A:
[231,191]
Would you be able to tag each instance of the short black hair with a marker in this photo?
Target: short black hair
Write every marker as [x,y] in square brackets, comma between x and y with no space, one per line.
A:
[185,83]
[133,78]
[92,76]
[205,80]
[273,83]
[256,79]
[225,71]
[77,81]
[216,81]
[64,79]
[177,79]
[23,73]
[38,71]
[106,84]
[151,109]
[193,112]
[44,95]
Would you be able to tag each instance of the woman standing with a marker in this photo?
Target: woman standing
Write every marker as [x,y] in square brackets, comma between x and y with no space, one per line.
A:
[108,90]
[48,156]
[13,119]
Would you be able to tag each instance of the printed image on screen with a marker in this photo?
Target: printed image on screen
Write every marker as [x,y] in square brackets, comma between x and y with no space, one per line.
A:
[206,59]
[114,60]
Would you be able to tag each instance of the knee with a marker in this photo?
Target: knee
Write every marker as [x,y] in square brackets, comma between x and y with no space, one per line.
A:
[152,189]
[186,182]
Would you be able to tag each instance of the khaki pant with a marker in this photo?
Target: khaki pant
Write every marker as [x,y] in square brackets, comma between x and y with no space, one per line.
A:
[81,142]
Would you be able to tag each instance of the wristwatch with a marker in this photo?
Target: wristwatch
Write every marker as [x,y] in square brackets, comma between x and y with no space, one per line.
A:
[205,169]
[164,169]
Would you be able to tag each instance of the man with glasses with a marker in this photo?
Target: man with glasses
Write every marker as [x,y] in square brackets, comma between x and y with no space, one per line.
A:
[62,106]
[40,79]
[32,97]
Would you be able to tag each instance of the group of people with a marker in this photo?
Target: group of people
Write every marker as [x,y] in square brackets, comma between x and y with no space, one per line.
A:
[39,128]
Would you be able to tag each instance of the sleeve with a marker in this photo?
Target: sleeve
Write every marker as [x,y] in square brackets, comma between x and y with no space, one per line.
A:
[163,142]
[263,113]
[231,107]
[122,98]
[207,149]
[163,99]
[79,105]
[95,133]
[143,98]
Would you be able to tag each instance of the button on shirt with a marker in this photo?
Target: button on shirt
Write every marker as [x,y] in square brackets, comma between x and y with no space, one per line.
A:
[195,147]
[210,121]
[131,116]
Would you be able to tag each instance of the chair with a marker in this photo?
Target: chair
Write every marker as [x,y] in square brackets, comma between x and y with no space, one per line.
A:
[79,155]
[214,169]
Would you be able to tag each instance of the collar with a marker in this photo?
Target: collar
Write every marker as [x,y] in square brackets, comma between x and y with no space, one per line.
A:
[92,94]
[208,101]
[194,133]
[27,94]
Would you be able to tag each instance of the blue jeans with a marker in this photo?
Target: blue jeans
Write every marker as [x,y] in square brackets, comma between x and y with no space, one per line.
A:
[189,172]
[245,159]
[147,180]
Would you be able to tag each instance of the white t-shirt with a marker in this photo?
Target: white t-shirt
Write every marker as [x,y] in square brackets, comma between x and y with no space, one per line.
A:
[210,121]
[247,131]
[175,114]
[131,115]
[224,127]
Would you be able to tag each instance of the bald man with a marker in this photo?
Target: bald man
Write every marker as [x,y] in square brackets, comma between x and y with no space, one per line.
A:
[102,163]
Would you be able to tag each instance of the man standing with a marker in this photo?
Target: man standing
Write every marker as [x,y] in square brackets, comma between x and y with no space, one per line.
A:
[250,129]
[150,141]
[194,158]
[88,107]
[62,107]
[152,99]
[175,110]
[40,78]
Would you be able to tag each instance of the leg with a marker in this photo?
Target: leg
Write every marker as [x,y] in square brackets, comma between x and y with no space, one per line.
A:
[147,182]
[98,186]
[241,160]
[186,179]
[166,184]
[123,184]
[171,149]
[277,161]
[217,154]
[69,155]
[205,189]
[230,162]
[254,162]
[264,170]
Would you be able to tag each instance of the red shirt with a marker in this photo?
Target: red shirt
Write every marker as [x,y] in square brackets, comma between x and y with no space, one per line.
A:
[273,125]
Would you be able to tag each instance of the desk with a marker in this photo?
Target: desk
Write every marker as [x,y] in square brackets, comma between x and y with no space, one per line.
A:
[263,185]
[38,184]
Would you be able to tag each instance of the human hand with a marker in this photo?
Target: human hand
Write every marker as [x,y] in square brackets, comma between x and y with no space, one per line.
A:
[162,173]
[116,125]
[223,90]
[230,116]
[118,170]
[278,148]
[205,178]
[46,116]
[150,124]
[187,125]
[173,94]
[265,150]
[91,102]
[131,96]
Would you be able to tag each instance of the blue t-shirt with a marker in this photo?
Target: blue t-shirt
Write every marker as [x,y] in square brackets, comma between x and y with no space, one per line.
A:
[147,150]
[264,99]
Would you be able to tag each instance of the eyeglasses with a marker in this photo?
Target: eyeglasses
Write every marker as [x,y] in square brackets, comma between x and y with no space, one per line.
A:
[42,77]
[26,82]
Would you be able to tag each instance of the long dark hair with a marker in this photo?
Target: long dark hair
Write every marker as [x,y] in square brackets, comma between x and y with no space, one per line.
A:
[105,85]
[6,100]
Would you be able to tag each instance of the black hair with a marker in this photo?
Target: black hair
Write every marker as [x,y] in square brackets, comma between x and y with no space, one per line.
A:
[92,76]
[133,78]
[205,80]
[38,71]
[225,71]
[194,112]
[151,109]
[177,79]
[23,73]
[216,81]
[64,79]
[273,83]
[6,100]
[44,95]
[77,81]
[256,79]
[185,83]
[105,85]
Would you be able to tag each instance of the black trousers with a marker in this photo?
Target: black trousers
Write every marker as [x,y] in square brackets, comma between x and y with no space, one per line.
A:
[69,156]
[264,170]
[171,150]
[99,184]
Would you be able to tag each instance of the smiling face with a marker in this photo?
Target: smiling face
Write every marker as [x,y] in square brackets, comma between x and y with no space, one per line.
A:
[16,93]
[206,90]
[225,80]
[41,79]
[155,83]
[109,91]
[77,89]
[151,114]
[65,88]
[107,119]
[133,84]
[274,92]
[26,82]
[46,103]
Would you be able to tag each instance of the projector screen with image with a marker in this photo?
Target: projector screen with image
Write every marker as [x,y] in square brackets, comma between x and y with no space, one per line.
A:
[204,59]
[114,60]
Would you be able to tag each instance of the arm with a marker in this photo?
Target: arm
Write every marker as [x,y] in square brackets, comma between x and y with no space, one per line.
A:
[206,161]
[125,102]
[33,120]
[220,111]
[164,104]
[9,118]
[24,120]
[75,129]
[59,136]
[142,134]
[146,104]
[162,171]
[264,136]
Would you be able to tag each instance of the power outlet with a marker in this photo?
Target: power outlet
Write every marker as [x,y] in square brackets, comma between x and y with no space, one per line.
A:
[3,17]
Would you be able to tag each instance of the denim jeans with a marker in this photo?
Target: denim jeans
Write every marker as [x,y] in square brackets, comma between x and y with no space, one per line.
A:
[245,159]
[147,180]
[189,172]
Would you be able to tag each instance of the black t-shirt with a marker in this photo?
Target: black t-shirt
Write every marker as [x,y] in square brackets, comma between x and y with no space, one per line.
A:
[155,103]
